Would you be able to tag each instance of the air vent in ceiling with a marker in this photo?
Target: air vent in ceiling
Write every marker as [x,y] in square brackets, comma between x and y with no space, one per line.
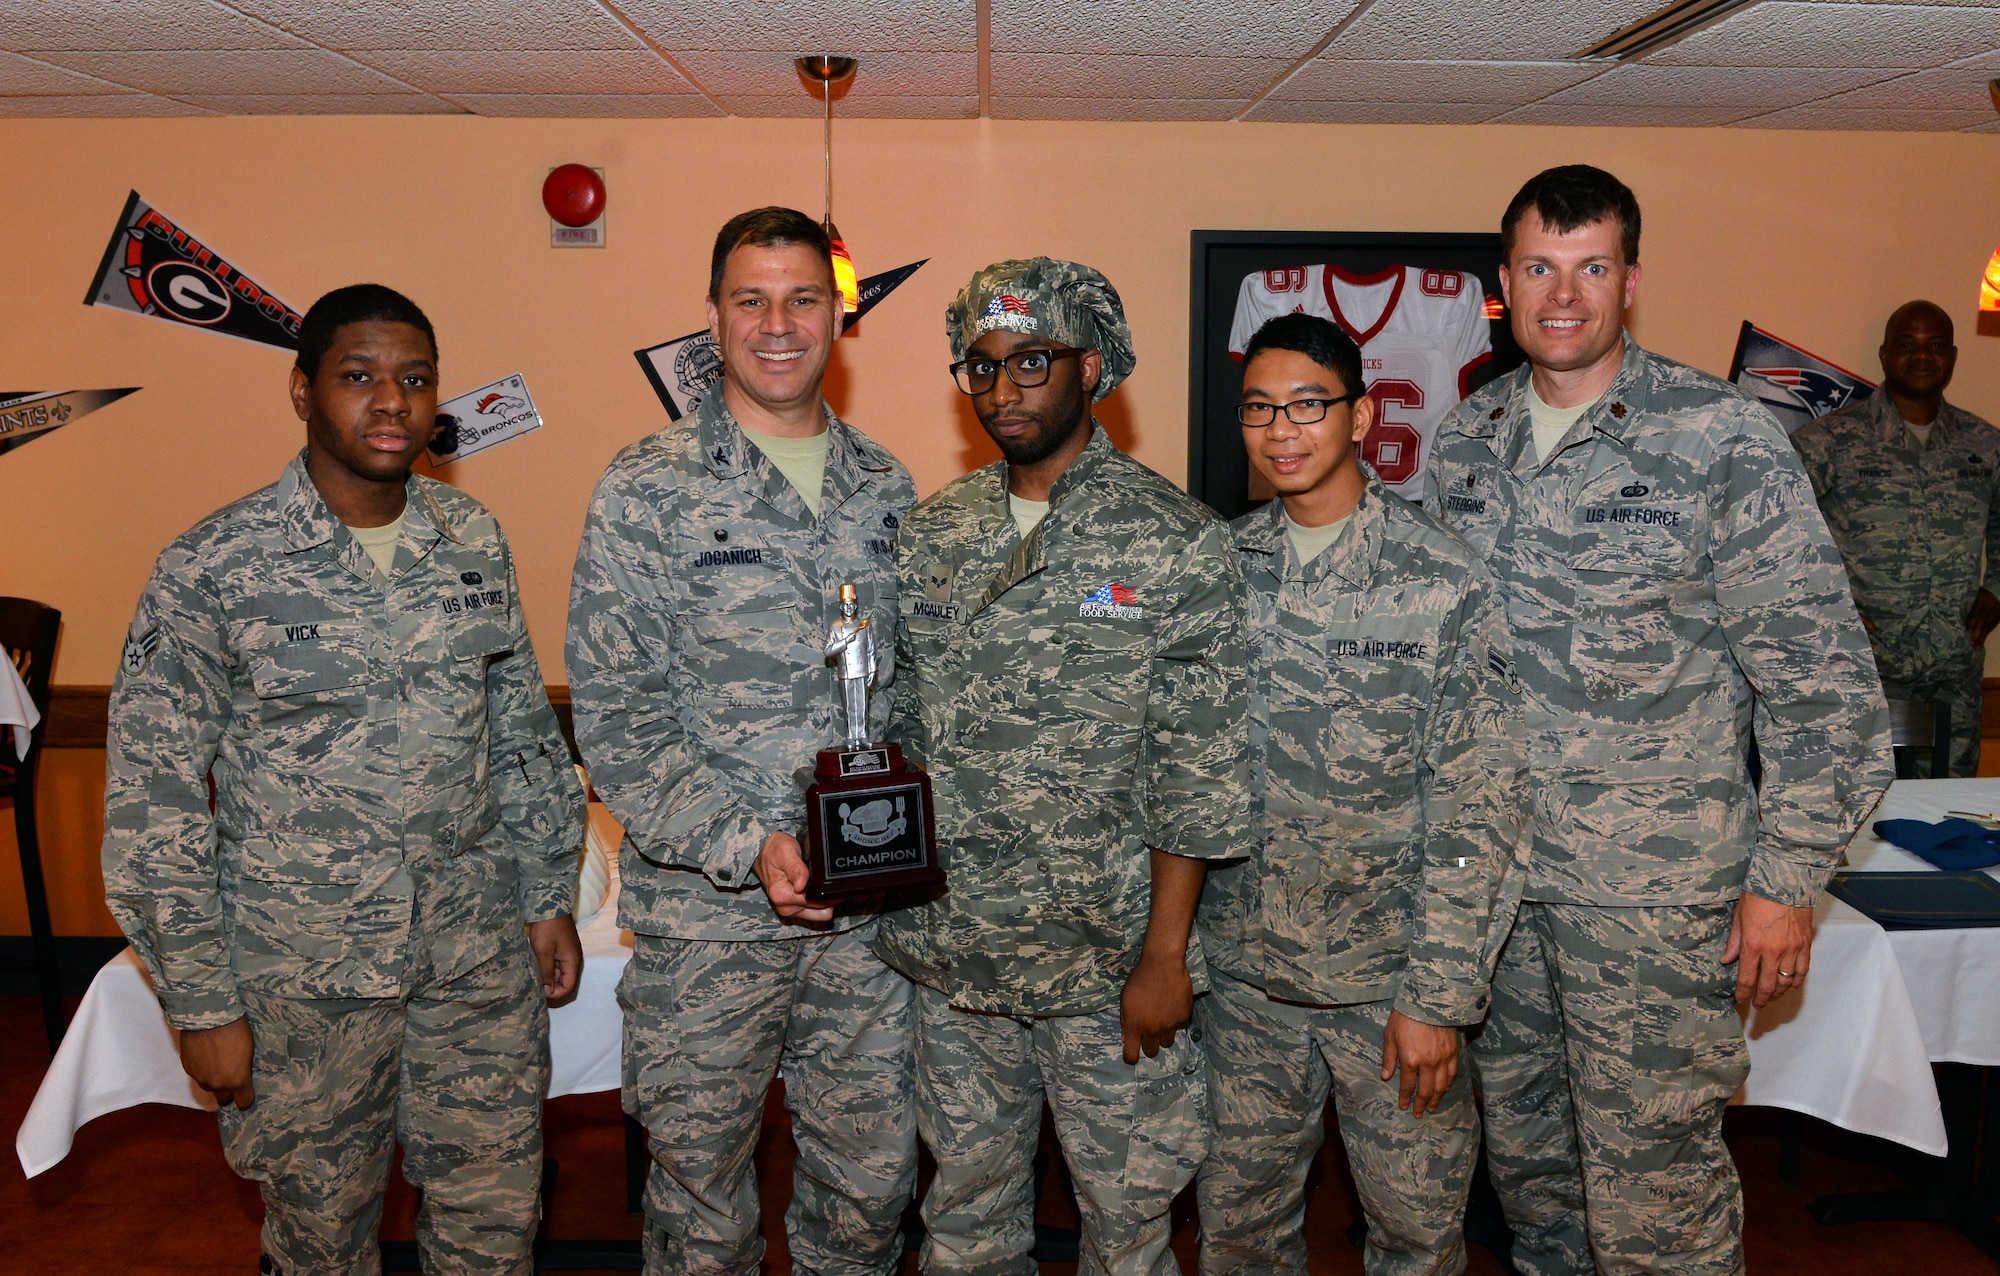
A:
[1656,30]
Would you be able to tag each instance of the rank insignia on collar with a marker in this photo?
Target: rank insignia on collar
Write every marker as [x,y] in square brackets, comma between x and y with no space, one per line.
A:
[1496,414]
[1618,410]
[722,456]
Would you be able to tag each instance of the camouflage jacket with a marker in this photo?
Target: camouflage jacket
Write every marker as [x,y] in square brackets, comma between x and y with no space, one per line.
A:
[393,799]
[1910,522]
[1673,592]
[1078,697]
[1388,756]
[697,656]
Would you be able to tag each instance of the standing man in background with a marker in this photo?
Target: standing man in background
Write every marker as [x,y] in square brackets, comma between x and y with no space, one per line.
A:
[1387,755]
[710,570]
[1071,672]
[1674,595]
[348,939]
[1910,487]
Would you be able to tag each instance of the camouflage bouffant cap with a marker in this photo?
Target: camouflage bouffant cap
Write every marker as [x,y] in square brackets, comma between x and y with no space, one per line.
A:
[1061,300]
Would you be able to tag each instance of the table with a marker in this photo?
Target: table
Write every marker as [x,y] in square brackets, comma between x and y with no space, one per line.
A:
[1933,1000]
[1855,1045]
[120,1051]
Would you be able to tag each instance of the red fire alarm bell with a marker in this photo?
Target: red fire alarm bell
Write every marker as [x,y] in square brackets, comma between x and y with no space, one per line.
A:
[574,198]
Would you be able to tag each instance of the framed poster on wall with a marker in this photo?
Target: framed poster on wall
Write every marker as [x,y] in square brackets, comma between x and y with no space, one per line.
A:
[1424,308]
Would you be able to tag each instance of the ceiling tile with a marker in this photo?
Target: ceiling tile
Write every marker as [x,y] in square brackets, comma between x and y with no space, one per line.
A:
[25,77]
[1284,29]
[1276,111]
[1096,75]
[1817,116]
[1788,33]
[885,107]
[1764,88]
[1084,108]
[603,106]
[597,72]
[286,71]
[110,105]
[321,103]
[798,27]
[1508,83]
[1624,116]
[1960,88]
[876,75]
[444,24]
[1484,30]
[27,26]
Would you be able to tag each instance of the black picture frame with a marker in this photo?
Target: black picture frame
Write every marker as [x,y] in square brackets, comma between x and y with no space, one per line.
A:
[1218,472]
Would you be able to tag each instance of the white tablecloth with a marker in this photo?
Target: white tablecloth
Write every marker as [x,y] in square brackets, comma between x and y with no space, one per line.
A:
[16,709]
[120,1052]
[1855,1045]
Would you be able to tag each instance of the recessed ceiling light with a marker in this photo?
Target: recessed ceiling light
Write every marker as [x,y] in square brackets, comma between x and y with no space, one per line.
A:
[1659,29]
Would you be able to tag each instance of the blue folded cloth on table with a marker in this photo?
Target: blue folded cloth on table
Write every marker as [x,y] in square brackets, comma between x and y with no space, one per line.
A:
[1952,845]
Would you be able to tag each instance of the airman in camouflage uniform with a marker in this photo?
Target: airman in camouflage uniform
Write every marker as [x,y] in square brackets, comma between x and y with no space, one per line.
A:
[1388,757]
[1913,501]
[703,593]
[1673,594]
[392,802]
[1078,696]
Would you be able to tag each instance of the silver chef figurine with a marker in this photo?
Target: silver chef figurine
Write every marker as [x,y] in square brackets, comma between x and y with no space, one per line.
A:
[850,646]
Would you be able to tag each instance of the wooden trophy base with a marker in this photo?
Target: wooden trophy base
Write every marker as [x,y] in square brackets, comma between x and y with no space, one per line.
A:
[869,826]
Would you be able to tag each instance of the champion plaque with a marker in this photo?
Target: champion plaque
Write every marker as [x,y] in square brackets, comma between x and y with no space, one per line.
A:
[869,826]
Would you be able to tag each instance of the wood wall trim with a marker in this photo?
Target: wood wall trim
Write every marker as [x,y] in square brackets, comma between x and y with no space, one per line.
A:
[79,716]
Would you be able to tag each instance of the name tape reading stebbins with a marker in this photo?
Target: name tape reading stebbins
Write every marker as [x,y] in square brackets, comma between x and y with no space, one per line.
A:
[483,418]
[156,268]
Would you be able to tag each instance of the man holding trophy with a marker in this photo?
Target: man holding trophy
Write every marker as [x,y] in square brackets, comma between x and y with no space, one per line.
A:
[712,558]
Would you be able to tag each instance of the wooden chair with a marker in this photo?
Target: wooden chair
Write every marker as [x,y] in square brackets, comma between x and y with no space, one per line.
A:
[1916,725]
[28,632]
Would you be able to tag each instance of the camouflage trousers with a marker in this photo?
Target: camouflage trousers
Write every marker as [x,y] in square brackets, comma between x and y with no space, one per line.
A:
[1272,1065]
[1965,696]
[1612,1045]
[1131,1136]
[455,1074]
[708,1024]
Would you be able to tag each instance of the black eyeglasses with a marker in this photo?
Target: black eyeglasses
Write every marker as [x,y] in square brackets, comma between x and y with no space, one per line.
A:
[1298,411]
[1025,368]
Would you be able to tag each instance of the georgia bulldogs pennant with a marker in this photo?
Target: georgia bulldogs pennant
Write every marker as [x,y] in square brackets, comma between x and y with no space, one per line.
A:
[153,267]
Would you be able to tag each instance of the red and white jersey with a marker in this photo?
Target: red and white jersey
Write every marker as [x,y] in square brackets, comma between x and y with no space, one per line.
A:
[1421,333]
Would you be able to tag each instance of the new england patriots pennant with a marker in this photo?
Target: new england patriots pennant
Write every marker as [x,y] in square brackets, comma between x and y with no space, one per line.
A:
[1794,384]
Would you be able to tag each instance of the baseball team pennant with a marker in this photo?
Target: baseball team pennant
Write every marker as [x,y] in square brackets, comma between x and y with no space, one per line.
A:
[32,414]
[154,267]
[479,419]
[687,369]
[1795,384]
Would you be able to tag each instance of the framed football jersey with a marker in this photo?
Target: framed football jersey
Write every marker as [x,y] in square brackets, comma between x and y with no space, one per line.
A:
[1424,308]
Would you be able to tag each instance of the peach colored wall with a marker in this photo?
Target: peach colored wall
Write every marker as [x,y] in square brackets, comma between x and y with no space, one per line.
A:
[1814,235]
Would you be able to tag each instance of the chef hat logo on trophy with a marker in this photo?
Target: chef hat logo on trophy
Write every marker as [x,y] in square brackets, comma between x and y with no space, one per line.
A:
[869,826]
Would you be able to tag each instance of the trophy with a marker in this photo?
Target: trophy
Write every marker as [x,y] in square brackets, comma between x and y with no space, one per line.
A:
[869,826]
